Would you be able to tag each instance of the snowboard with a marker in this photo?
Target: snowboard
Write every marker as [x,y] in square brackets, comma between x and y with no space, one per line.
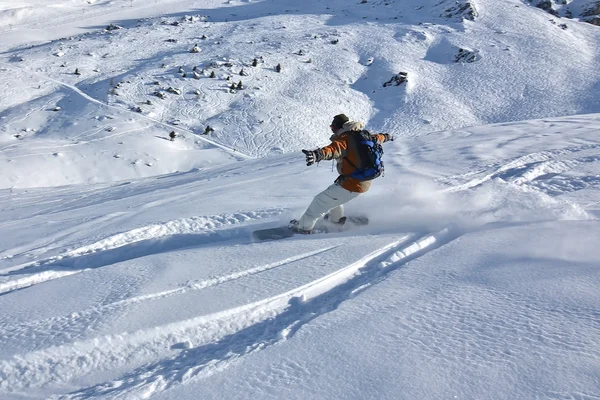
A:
[358,220]
[282,232]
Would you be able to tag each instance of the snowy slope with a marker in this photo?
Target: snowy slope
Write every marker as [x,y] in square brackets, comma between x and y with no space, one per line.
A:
[110,117]
[456,288]
[477,276]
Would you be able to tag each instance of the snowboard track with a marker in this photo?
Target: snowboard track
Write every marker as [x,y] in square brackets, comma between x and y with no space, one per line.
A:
[64,328]
[208,344]
[136,243]
[540,170]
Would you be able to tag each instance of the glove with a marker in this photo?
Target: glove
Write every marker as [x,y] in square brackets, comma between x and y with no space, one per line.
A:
[313,156]
[388,137]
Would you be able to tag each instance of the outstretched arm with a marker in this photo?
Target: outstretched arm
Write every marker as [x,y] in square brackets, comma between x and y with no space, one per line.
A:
[313,156]
[384,137]
[335,150]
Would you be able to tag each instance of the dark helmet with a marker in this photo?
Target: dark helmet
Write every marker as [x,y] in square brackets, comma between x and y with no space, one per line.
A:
[339,121]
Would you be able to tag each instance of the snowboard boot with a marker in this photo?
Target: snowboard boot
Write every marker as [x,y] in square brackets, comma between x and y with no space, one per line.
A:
[293,225]
[341,222]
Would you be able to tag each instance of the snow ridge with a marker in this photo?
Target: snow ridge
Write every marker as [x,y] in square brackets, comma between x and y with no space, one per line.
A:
[525,169]
[135,243]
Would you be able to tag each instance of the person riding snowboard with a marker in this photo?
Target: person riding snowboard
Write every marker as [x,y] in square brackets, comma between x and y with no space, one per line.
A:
[358,162]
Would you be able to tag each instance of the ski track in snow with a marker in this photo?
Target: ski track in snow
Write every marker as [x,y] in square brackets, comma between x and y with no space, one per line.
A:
[87,97]
[219,339]
[53,330]
[139,242]
[536,170]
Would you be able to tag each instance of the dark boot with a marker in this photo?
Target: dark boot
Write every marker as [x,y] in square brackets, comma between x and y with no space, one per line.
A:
[293,225]
[341,222]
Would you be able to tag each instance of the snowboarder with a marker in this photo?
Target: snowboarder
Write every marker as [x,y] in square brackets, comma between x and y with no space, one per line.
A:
[344,148]
[172,135]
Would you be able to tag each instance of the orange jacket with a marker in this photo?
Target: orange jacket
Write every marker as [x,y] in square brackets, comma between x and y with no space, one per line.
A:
[342,149]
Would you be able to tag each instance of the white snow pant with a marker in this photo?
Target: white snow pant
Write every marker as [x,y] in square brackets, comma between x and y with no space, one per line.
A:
[332,200]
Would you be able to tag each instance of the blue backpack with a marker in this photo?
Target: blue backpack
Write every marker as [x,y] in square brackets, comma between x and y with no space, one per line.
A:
[369,153]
